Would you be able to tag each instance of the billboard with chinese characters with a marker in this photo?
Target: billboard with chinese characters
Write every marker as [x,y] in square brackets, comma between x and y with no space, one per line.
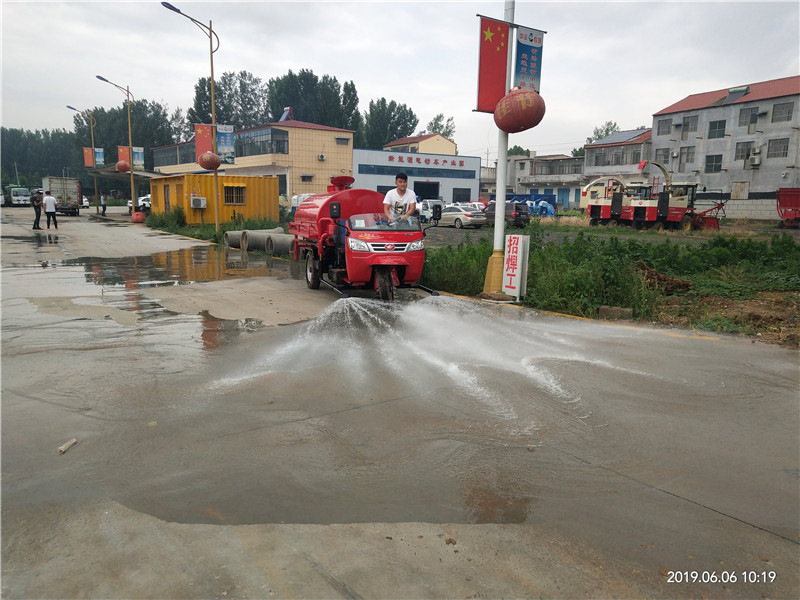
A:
[225,144]
[447,177]
[528,62]
[138,158]
[515,265]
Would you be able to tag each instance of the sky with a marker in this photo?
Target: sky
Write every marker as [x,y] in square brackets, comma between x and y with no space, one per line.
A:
[601,61]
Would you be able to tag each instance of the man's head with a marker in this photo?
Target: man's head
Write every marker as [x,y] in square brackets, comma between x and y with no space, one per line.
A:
[401,181]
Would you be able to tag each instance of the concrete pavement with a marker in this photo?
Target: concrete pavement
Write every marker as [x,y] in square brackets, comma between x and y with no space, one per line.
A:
[656,464]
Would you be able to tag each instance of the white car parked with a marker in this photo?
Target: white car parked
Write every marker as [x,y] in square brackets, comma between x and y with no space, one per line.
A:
[143,203]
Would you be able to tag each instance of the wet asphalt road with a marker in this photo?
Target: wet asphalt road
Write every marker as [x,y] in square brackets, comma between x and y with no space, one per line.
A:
[242,436]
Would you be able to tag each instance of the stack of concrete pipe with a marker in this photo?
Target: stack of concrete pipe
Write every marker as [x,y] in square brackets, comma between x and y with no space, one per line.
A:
[256,239]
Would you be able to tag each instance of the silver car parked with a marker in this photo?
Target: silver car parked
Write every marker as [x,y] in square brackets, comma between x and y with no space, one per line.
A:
[460,216]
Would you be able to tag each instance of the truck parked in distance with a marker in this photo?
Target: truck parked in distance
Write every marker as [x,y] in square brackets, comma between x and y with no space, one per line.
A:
[67,192]
[17,195]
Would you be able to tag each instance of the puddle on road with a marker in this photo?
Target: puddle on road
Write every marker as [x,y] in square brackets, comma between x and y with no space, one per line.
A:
[117,284]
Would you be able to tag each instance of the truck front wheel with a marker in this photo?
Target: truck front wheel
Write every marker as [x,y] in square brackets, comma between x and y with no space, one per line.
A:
[385,287]
[312,272]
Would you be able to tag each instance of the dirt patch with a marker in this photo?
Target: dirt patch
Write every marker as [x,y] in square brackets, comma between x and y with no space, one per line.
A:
[772,317]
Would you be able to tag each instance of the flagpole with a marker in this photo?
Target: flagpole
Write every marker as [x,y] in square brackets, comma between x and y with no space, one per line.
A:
[494,271]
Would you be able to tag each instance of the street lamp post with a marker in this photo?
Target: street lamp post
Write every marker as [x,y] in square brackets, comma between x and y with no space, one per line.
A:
[212,37]
[127,92]
[88,116]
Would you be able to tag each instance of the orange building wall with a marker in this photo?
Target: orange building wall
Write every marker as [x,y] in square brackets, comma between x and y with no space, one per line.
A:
[260,196]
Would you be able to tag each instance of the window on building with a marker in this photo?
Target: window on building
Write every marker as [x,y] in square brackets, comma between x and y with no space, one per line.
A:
[163,157]
[662,155]
[686,156]
[747,116]
[306,178]
[342,141]
[261,141]
[521,166]
[235,194]
[778,148]
[782,112]
[462,195]
[664,127]
[689,126]
[186,153]
[743,150]
[713,163]
[716,129]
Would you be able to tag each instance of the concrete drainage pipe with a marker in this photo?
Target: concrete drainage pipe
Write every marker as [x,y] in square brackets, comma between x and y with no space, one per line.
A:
[233,238]
[256,239]
[280,243]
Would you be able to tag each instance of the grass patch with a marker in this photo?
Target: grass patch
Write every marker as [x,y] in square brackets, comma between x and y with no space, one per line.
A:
[577,276]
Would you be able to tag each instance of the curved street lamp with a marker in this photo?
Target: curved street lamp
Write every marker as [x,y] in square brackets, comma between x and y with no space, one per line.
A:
[128,95]
[88,116]
[212,37]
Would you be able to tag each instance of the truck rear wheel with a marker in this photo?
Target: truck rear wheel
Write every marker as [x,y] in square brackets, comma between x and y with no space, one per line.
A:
[385,287]
[686,223]
[312,271]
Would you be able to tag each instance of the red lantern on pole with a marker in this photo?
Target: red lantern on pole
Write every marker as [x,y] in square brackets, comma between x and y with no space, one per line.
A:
[519,110]
[123,166]
[209,161]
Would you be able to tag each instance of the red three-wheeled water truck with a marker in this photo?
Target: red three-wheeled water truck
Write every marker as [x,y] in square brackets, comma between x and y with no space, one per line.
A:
[347,241]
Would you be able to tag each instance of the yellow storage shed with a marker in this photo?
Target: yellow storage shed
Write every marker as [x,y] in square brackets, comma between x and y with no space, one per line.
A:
[239,195]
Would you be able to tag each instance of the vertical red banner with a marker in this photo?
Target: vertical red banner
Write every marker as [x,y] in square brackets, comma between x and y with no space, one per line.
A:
[493,64]
[202,140]
[124,153]
[88,157]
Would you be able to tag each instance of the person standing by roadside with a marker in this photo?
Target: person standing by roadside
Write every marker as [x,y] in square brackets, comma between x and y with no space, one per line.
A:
[37,208]
[103,203]
[50,209]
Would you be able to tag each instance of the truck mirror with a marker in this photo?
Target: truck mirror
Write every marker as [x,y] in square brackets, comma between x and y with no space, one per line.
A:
[437,212]
[335,210]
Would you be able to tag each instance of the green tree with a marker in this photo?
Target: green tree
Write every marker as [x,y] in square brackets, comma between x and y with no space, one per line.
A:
[242,98]
[27,156]
[518,151]
[604,130]
[387,121]
[438,125]
[599,133]
[352,116]
[200,112]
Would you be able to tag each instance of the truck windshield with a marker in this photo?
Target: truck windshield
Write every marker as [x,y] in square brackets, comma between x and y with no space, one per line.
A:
[379,222]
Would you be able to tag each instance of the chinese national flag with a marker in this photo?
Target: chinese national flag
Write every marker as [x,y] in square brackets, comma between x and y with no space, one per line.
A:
[493,64]
[202,140]
[124,153]
[88,157]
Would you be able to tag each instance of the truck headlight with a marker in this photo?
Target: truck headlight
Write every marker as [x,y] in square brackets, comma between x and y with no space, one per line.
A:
[357,245]
[416,245]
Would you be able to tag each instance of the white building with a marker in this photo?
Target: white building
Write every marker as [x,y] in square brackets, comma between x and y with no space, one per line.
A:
[446,177]
[739,144]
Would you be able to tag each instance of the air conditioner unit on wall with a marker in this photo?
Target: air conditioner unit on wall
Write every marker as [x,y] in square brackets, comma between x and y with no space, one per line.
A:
[321,157]
[755,160]
[198,202]
[674,154]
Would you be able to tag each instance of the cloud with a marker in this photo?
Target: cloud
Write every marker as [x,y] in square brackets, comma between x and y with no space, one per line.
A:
[602,61]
